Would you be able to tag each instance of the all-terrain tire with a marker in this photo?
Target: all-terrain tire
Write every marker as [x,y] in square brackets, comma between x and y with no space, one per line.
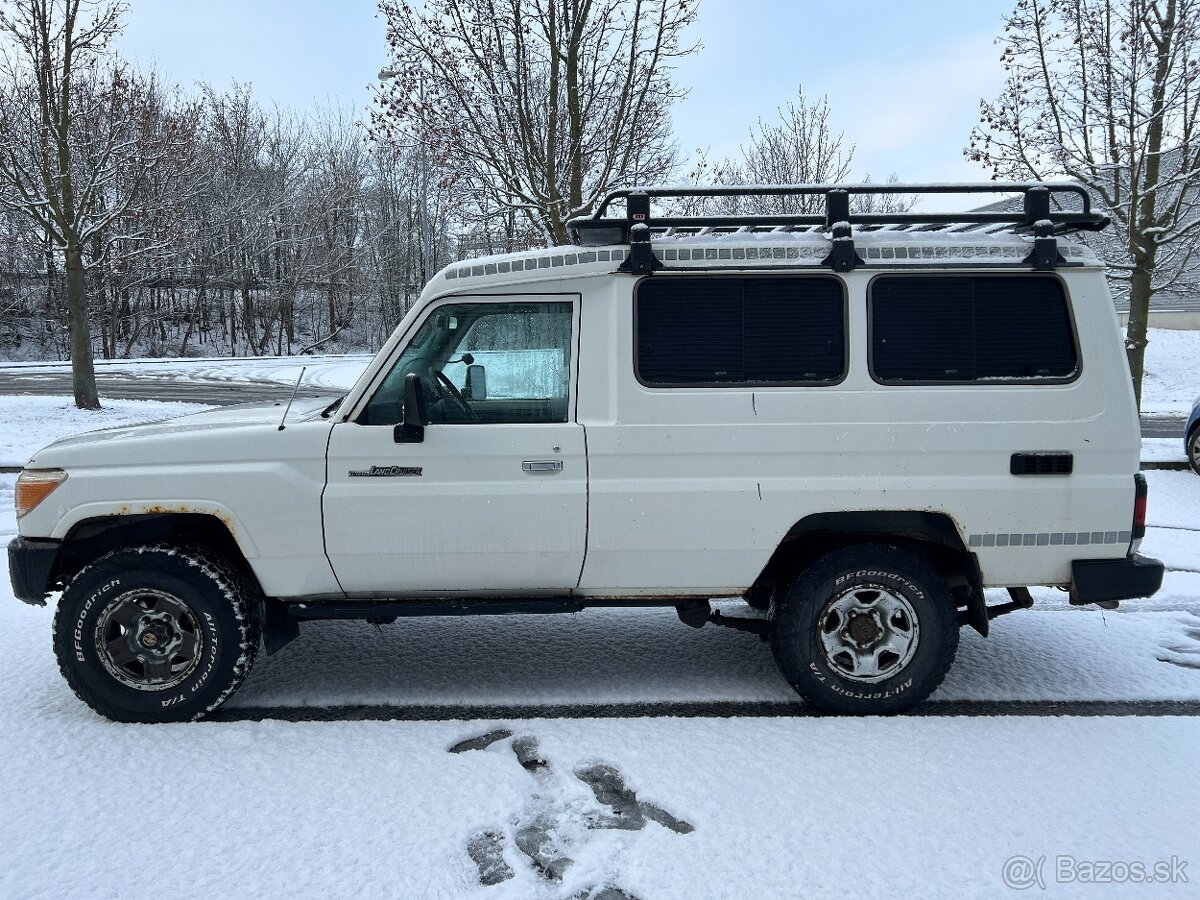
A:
[156,633]
[887,598]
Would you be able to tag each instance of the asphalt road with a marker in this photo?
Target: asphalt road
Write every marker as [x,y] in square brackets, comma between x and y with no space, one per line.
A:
[1163,426]
[150,387]
[226,393]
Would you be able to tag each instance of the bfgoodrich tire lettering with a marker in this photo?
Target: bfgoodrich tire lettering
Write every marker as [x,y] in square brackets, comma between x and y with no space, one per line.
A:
[866,629]
[155,634]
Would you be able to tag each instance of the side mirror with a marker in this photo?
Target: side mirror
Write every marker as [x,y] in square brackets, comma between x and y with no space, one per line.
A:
[412,429]
[476,382]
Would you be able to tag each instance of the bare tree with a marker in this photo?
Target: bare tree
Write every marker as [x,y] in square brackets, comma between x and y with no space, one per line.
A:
[542,106]
[801,148]
[133,255]
[897,202]
[333,200]
[1104,92]
[261,230]
[57,44]
[394,210]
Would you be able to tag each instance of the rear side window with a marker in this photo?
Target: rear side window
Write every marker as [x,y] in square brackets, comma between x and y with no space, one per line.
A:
[970,328]
[722,332]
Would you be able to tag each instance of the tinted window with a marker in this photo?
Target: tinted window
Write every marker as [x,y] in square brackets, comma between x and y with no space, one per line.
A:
[724,331]
[484,363]
[970,328]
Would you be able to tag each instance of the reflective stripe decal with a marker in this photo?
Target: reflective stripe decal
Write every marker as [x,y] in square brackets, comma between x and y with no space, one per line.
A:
[1050,538]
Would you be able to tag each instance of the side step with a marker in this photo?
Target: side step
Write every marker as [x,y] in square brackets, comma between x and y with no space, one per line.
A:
[392,609]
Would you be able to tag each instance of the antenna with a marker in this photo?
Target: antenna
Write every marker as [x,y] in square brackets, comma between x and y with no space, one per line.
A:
[299,378]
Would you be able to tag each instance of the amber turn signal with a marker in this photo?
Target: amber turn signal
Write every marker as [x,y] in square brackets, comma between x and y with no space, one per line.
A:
[34,486]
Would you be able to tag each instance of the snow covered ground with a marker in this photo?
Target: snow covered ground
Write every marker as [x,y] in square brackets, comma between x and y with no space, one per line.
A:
[1171,382]
[729,807]
[779,808]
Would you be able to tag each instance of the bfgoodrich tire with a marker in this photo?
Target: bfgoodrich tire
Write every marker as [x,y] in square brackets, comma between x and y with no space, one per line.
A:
[867,629]
[155,634]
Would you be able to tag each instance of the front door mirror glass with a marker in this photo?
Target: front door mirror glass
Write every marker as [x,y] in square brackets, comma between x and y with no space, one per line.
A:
[476,382]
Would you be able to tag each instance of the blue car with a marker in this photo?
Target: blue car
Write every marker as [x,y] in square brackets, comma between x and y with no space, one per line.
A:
[1191,438]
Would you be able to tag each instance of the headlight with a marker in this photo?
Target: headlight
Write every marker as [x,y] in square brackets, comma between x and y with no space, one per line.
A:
[34,486]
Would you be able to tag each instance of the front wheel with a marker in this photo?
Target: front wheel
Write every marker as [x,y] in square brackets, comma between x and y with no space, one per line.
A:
[155,634]
[866,629]
[1193,449]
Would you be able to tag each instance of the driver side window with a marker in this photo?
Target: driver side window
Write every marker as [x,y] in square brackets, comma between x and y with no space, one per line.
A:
[484,363]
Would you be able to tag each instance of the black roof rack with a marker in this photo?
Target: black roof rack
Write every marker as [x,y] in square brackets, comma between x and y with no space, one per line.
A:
[1035,214]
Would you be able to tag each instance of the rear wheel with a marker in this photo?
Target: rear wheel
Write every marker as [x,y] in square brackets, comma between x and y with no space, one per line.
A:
[155,634]
[866,629]
[1193,449]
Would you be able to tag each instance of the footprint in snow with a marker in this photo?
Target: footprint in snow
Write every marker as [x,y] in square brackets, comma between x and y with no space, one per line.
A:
[1184,654]
[550,826]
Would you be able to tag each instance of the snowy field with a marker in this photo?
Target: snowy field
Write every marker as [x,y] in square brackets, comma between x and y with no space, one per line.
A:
[1171,382]
[707,807]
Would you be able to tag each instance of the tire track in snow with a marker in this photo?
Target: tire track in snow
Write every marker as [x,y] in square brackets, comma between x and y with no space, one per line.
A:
[693,709]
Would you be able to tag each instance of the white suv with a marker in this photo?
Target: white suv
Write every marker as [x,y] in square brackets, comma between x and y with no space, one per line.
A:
[858,422]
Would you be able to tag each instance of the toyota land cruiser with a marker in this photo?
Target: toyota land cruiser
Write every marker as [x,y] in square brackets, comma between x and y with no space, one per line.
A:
[856,421]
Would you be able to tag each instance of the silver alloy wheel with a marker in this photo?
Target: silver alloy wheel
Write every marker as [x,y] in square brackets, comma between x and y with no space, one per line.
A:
[868,633]
[1194,449]
[149,640]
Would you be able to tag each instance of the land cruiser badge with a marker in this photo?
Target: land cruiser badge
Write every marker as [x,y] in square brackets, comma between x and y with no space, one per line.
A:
[386,472]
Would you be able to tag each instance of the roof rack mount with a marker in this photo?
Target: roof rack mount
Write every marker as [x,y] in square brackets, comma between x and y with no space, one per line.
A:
[637,227]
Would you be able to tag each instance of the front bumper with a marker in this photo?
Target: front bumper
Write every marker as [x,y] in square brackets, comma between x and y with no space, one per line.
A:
[30,561]
[1104,580]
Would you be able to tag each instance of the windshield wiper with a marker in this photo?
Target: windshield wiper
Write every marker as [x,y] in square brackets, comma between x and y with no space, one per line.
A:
[332,407]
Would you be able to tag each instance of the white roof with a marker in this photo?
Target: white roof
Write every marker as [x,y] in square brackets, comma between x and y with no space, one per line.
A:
[758,250]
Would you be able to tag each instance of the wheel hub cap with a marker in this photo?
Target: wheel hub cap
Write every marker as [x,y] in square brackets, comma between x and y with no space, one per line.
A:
[157,632]
[868,633]
[148,640]
[864,630]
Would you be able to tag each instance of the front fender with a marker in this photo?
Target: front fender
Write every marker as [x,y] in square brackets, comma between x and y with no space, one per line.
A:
[105,509]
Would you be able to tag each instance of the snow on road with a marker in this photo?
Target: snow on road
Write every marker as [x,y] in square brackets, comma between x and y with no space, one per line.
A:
[333,372]
[776,807]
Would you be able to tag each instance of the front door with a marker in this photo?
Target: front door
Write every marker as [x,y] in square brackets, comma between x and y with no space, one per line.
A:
[493,500]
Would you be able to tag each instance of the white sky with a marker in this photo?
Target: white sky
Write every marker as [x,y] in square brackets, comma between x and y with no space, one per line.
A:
[904,77]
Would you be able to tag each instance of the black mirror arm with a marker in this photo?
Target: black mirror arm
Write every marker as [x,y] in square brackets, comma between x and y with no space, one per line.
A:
[412,429]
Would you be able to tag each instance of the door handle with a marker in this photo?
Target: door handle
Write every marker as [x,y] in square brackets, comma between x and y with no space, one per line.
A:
[542,465]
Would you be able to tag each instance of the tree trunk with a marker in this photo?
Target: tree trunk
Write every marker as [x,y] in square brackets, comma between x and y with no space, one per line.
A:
[1135,333]
[83,373]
